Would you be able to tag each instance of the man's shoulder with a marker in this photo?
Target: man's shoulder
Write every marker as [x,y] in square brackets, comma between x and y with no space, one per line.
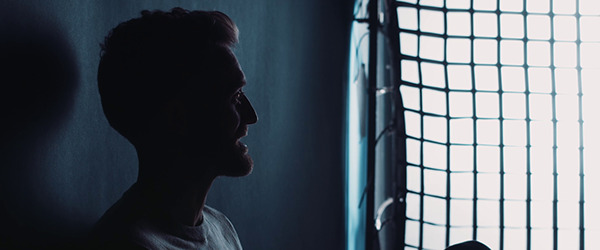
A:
[118,225]
[211,212]
[123,212]
[214,216]
[112,232]
[220,226]
[121,228]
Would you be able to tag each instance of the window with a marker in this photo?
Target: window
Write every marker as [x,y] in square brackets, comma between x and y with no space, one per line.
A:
[504,144]
[501,122]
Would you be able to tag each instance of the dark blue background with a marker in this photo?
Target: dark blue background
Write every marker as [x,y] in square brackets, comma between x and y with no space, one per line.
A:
[62,165]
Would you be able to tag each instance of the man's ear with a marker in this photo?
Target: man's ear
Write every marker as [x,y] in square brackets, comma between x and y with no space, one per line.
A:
[176,117]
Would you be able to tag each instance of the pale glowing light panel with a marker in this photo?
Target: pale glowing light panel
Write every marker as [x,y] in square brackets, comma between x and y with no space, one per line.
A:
[356,135]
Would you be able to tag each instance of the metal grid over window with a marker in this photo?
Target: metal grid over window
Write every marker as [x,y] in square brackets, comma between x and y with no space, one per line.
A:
[501,114]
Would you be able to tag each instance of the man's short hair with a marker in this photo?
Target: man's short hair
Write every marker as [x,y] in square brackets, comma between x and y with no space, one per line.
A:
[149,60]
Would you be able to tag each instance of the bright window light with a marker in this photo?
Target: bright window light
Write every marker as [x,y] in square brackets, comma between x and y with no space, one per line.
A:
[588,29]
[459,77]
[511,25]
[485,51]
[485,5]
[538,6]
[432,21]
[459,23]
[538,27]
[589,7]
[433,75]
[501,105]
[538,53]
[458,4]
[565,28]
[513,79]
[485,24]
[563,7]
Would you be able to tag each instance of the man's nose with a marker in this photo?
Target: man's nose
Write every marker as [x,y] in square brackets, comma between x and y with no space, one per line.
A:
[248,113]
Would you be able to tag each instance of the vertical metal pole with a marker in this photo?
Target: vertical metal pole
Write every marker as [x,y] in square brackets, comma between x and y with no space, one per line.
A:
[554,134]
[399,141]
[373,32]
[474,105]
[528,129]
[581,138]
[501,128]
[448,133]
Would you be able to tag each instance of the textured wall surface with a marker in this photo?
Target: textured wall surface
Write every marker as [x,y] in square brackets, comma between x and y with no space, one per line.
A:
[61,170]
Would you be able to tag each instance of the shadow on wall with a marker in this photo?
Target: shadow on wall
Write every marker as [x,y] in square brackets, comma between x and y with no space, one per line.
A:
[38,78]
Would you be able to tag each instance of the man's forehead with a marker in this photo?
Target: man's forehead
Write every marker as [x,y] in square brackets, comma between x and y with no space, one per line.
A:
[240,80]
[231,73]
[220,71]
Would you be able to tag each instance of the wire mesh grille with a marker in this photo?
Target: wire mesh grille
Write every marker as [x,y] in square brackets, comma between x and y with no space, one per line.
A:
[501,138]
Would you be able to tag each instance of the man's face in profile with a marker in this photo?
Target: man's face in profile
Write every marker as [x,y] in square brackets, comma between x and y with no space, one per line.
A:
[227,118]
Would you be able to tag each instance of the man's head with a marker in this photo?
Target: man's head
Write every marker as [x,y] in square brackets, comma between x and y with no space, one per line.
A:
[170,80]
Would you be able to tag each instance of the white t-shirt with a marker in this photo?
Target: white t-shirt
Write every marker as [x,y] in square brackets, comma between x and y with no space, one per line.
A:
[129,225]
[215,232]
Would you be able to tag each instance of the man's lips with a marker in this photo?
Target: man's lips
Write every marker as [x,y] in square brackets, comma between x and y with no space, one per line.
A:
[242,146]
[241,133]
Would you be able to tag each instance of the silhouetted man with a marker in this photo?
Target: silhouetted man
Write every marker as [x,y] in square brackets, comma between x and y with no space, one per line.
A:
[171,85]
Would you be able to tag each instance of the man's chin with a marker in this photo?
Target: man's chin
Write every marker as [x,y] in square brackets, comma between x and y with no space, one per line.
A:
[241,167]
[239,172]
[238,163]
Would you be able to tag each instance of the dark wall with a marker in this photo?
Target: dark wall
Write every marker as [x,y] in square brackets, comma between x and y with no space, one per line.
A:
[62,165]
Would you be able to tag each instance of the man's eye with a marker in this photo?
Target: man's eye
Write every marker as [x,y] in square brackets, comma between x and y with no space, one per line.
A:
[238,97]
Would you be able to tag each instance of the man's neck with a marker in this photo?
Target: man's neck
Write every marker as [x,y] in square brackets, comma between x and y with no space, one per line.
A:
[176,186]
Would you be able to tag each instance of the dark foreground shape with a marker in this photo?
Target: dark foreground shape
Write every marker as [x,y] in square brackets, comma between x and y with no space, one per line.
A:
[469,245]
